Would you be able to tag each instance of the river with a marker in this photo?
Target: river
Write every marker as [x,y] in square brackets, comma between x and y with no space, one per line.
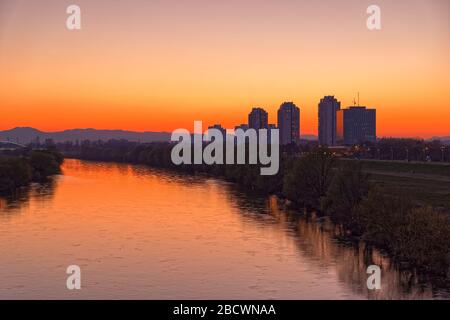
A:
[140,233]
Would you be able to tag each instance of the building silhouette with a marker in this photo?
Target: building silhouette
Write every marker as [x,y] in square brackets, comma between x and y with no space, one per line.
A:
[289,123]
[258,119]
[356,125]
[328,107]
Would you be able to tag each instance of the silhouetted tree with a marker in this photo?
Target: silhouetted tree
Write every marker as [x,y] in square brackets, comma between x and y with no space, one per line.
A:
[308,178]
[349,186]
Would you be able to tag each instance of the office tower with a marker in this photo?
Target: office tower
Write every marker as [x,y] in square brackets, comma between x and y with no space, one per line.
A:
[258,119]
[328,107]
[356,125]
[289,123]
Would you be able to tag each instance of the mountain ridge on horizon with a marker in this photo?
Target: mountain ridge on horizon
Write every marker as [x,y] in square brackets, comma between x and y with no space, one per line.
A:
[77,129]
[25,135]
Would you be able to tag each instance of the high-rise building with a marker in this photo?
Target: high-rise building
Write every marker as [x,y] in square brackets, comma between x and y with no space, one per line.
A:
[328,107]
[258,119]
[289,123]
[356,125]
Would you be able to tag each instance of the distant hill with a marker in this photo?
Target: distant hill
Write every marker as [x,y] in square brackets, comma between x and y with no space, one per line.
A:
[309,137]
[25,135]
[444,140]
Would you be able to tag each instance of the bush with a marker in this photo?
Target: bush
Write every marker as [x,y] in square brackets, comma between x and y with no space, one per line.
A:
[14,173]
[349,186]
[44,164]
[19,171]
[419,237]
[307,179]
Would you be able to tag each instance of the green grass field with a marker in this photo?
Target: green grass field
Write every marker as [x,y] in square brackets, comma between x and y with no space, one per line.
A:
[432,168]
[426,183]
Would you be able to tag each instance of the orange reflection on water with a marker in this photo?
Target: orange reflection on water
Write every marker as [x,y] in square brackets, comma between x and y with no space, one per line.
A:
[143,233]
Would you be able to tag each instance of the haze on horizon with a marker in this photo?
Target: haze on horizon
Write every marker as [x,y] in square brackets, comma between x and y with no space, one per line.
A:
[159,65]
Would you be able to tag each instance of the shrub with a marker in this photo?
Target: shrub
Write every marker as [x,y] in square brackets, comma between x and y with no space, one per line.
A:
[419,237]
[307,179]
[349,186]
[44,164]
[14,173]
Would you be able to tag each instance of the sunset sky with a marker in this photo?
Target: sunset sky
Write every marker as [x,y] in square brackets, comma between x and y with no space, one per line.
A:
[150,65]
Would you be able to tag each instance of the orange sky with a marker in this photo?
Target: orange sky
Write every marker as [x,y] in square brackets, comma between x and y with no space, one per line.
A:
[159,65]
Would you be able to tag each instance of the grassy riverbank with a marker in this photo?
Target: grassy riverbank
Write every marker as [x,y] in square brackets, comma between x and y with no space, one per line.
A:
[31,166]
[428,184]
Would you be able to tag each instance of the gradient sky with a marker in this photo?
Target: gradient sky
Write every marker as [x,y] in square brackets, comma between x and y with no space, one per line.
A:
[160,65]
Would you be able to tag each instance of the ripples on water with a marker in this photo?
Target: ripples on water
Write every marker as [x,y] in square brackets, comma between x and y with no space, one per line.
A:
[149,234]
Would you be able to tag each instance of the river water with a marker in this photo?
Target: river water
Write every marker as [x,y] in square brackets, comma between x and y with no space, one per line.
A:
[140,233]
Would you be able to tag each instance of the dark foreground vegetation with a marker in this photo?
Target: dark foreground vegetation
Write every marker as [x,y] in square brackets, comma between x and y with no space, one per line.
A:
[415,236]
[19,170]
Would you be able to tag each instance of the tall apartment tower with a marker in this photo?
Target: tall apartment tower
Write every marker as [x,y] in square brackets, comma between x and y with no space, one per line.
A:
[328,107]
[258,119]
[356,125]
[289,123]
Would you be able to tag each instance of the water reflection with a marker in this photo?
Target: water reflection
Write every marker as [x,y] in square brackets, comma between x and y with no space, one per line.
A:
[152,234]
[316,239]
[11,204]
